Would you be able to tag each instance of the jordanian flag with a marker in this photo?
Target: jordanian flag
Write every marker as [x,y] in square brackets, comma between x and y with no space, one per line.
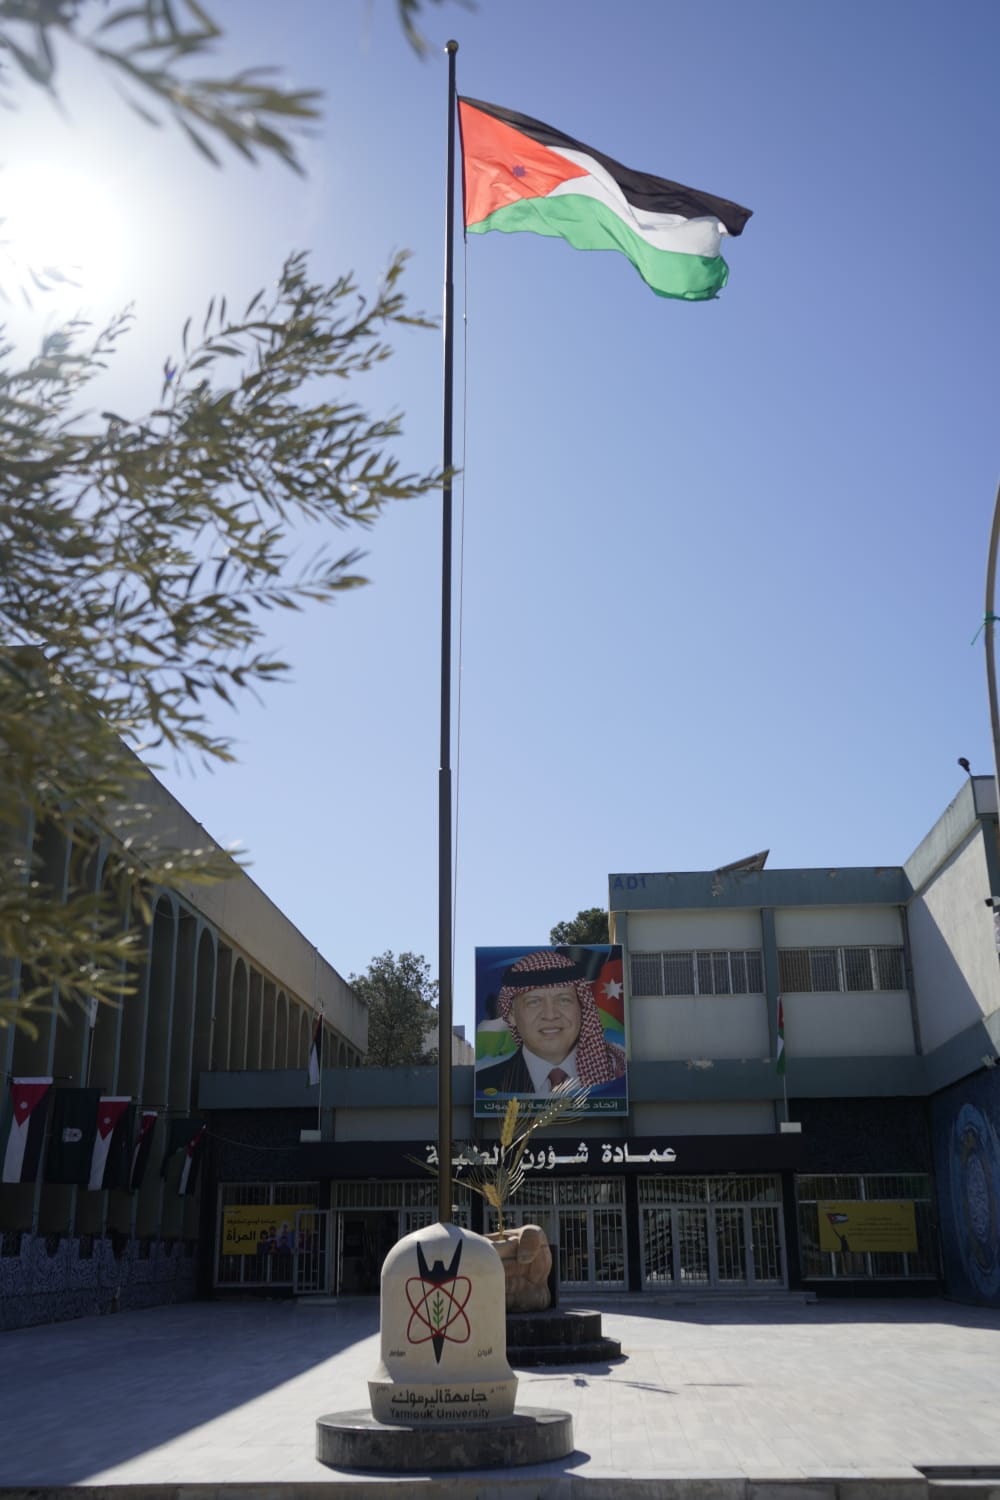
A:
[28,1098]
[315,1051]
[141,1150]
[112,1153]
[188,1136]
[74,1130]
[522,175]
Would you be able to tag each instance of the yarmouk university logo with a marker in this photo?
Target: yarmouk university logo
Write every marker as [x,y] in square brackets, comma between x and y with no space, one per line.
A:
[975,1198]
[438,1299]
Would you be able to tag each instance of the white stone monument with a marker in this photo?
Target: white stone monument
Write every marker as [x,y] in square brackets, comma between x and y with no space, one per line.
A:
[444,1335]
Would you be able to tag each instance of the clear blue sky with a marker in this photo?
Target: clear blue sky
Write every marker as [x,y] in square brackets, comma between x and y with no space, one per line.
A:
[722,562]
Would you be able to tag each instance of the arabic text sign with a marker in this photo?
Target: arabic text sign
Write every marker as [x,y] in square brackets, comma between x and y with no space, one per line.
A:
[547,1159]
[260,1228]
[848,1227]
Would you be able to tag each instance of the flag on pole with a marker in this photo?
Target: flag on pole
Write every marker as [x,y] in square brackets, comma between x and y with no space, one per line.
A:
[71,1142]
[192,1161]
[110,1159]
[780,1059]
[141,1150]
[188,1136]
[315,1050]
[520,174]
[28,1097]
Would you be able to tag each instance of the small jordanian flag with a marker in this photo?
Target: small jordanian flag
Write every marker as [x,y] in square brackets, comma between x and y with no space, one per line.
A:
[314,1050]
[780,1059]
[28,1106]
[522,175]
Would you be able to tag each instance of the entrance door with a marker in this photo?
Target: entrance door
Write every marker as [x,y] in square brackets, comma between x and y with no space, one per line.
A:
[592,1248]
[367,1236]
[311,1258]
[723,1245]
[730,1246]
[691,1239]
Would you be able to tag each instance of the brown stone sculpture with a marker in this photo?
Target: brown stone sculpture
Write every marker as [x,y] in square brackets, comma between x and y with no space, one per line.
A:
[527,1261]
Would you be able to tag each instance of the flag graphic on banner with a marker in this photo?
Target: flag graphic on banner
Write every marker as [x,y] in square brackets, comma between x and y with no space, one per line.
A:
[314,1050]
[520,174]
[27,1129]
[110,1160]
[141,1150]
[74,1130]
[188,1136]
[779,1061]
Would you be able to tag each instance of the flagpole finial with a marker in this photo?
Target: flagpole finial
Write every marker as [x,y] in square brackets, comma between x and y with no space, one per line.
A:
[451,46]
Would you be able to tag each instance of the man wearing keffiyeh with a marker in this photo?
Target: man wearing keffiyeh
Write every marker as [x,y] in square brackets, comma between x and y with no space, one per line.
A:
[550,1008]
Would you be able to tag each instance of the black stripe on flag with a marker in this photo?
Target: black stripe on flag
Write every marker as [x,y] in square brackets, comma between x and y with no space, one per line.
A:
[71,1143]
[141,1150]
[644,191]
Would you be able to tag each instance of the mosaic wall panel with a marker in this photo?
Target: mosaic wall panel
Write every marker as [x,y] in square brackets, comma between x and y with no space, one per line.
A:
[49,1279]
[965,1122]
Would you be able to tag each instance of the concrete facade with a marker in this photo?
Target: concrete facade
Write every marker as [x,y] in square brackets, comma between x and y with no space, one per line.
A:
[225,982]
[890,994]
[889,985]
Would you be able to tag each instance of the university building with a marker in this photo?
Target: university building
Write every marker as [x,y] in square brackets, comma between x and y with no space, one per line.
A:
[224,983]
[869,1165]
[727,1175]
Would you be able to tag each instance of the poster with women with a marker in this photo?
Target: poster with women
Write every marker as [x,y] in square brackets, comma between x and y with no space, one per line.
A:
[547,1014]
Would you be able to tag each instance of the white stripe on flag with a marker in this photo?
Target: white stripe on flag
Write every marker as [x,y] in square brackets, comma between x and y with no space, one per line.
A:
[109,1112]
[27,1096]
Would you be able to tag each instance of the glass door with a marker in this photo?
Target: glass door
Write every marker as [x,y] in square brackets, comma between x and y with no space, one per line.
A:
[592,1248]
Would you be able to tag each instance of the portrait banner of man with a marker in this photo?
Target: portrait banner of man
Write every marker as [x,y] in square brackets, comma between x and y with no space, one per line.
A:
[544,1015]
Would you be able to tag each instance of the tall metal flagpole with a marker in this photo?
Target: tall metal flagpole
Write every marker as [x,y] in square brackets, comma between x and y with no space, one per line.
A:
[991,670]
[444,774]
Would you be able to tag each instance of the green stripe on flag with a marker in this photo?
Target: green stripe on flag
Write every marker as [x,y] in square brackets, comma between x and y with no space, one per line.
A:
[590,225]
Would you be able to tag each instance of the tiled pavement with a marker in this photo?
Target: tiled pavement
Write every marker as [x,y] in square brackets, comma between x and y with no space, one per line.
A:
[217,1394]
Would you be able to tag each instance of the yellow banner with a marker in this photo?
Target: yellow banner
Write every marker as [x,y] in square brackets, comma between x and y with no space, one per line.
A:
[847,1227]
[260,1228]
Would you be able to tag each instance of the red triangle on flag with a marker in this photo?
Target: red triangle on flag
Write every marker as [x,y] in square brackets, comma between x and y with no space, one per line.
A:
[502,166]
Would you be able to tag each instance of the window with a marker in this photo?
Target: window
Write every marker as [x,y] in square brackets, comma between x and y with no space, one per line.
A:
[806,969]
[724,971]
[902,1187]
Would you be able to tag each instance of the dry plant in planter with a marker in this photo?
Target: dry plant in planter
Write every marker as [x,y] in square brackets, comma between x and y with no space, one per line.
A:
[497,1176]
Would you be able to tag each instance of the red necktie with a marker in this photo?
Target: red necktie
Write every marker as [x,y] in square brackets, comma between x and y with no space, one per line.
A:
[556,1076]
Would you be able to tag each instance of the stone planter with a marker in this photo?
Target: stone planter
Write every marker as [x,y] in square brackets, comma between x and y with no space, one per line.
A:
[527,1260]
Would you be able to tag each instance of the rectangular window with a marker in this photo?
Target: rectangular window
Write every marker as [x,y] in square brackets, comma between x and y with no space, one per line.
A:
[647,974]
[904,1187]
[889,968]
[678,974]
[720,972]
[806,970]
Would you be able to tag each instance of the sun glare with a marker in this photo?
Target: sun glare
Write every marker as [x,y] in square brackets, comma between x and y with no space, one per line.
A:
[60,228]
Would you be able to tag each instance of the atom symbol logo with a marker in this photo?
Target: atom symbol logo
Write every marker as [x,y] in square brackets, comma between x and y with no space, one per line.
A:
[438,1298]
[437,1310]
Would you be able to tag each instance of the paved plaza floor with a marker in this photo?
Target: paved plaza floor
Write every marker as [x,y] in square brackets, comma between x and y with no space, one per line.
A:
[217,1394]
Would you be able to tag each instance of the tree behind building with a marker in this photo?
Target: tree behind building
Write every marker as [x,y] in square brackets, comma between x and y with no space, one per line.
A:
[590,926]
[402,1013]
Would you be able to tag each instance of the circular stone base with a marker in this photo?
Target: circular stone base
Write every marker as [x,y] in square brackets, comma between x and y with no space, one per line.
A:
[354,1440]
